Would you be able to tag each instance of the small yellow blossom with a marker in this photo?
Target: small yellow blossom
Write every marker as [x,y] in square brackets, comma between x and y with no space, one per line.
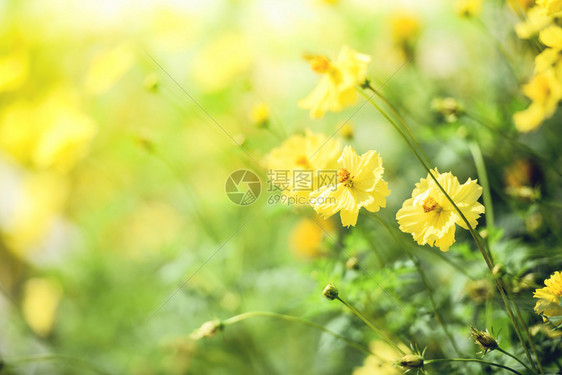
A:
[305,156]
[548,304]
[552,7]
[468,8]
[259,114]
[545,91]
[431,218]
[336,89]
[359,184]
[405,27]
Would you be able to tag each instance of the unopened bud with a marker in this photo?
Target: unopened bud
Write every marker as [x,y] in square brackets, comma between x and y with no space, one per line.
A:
[498,270]
[352,264]
[330,292]
[208,329]
[484,339]
[411,361]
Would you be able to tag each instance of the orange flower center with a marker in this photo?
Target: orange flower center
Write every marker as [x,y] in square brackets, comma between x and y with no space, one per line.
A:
[344,177]
[320,64]
[429,204]
[302,161]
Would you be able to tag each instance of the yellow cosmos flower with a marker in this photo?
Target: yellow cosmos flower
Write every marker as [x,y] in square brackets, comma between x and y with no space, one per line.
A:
[548,304]
[297,167]
[307,236]
[359,184]
[552,7]
[535,21]
[545,91]
[431,218]
[336,89]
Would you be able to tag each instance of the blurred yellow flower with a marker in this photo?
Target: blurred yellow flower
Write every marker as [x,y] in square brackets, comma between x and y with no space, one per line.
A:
[41,298]
[468,8]
[259,115]
[431,218]
[307,235]
[545,91]
[548,304]
[551,37]
[304,156]
[13,70]
[359,184]
[535,21]
[221,62]
[337,87]
[107,67]
[405,26]
[382,361]
[40,200]
[552,7]
[52,133]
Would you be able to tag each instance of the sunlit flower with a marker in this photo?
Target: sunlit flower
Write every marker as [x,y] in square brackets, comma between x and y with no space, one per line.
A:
[548,304]
[296,167]
[259,114]
[359,184]
[545,91]
[552,7]
[336,89]
[405,26]
[431,218]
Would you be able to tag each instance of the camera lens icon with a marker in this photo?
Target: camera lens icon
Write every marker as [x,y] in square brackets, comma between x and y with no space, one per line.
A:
[243,187]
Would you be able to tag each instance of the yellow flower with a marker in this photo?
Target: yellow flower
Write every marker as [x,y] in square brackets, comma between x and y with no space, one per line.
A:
[535,21]
[294,167]
[107,67]
[548,304]
[431,218]
[336,89]
[307,236]
[545,91]
[259,114]
[552,7]
[468,8]
[405,27]
[359,184]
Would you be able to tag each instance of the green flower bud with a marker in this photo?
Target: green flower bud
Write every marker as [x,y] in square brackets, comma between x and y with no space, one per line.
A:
[330,292]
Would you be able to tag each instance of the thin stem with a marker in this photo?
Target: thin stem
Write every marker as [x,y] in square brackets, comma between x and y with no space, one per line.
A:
[400,119]
[53,357]
[476,237]
[377,331]
[487,196]
[293,319]
[514,357]
[430,361]
[423,277]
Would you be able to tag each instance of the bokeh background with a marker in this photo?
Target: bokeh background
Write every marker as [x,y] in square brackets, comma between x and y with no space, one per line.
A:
[120,122]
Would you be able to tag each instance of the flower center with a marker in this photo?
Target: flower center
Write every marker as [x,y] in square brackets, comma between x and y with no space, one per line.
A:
[319,64]
[302,161]
[344,177]
[430,204]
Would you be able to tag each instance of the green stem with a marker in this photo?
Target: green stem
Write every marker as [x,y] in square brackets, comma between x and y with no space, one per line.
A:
[293,319]
[53,357]
[428,362]
[475,236]
[423,277]
[371,325]
[514,357]
[487,196]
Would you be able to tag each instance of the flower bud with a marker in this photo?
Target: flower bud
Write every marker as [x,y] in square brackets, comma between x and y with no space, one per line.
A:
[484,339]
[498,270]
[208,329]
[352,264]
[330,292]
[411,361]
